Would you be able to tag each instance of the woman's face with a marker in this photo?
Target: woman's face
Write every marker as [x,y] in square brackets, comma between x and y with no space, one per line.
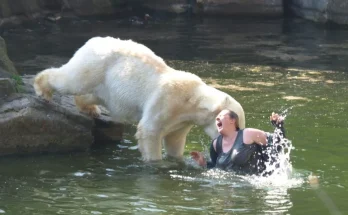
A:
[224,122]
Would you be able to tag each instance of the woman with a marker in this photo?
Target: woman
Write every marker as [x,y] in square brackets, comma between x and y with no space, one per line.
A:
[238,150]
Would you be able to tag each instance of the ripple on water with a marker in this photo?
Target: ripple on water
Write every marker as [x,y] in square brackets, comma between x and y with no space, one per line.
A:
[80,174]
[102,196]
[153,209]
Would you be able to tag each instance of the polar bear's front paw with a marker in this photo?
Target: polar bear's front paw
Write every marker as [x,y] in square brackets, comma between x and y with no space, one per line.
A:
[42,86]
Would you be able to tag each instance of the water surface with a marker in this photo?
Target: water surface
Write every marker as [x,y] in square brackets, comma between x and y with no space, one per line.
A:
[267,65]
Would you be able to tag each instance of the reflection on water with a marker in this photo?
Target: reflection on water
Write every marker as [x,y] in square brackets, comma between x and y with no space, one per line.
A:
[267,65]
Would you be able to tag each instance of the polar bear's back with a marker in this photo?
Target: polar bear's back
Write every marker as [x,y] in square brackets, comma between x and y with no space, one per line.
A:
[105,51]
[130,73]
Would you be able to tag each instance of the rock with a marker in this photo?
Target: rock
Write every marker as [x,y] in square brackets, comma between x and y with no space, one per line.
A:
[267,8]
[7,87]
[106,131]
[92,7]
[171,6]
[29,124]
[321,10]
[6,64]
[40,62]
[338,11]
[14,7]
[4,74]
[310,9]
[15,12]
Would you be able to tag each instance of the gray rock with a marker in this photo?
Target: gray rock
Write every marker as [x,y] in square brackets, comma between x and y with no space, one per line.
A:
[171,6]
[92,7]
[338,11]
[14,12]
[29,124]
[321,10]
[310,9]
[267,8]
[4,74]
[7,87]
[6,64]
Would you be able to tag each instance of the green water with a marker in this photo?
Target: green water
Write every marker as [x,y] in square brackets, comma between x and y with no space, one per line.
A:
[267,65]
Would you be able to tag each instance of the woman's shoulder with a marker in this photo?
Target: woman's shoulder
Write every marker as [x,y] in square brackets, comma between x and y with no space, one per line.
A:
[252,130]
[251,135]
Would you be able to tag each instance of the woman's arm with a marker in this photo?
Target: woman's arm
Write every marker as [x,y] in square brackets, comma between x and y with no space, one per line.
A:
[213,155]
[252,135]
[199,157]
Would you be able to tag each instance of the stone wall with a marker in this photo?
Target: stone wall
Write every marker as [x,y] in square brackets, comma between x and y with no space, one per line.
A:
[321,10]
[265,8]
[6,65]
[10,8]
[17,11]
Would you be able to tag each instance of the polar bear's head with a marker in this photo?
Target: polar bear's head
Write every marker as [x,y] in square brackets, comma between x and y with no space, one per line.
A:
[215,103]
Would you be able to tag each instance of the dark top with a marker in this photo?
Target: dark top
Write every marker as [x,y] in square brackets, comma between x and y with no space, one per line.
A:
[247,158]
[241,158]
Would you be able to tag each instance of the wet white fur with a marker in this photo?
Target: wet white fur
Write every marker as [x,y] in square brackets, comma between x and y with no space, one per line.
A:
[137,86]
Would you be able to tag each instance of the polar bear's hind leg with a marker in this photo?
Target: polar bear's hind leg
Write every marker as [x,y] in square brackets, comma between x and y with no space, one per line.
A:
[88,104]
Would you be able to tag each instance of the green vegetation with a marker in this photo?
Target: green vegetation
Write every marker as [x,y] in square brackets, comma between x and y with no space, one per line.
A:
[18,83]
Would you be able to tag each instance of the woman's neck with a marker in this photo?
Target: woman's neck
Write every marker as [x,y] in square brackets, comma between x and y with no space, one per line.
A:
[231,136]
[228,141]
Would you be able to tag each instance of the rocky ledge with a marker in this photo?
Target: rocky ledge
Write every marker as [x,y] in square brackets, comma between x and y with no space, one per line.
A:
[29,124]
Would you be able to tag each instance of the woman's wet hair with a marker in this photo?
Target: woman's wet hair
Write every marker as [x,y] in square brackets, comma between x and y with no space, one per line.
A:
[233,115]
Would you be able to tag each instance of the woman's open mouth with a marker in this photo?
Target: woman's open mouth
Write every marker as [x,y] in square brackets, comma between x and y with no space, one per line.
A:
[219,124]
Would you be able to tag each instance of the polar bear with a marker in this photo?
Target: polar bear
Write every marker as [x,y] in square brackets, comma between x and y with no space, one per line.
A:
[137,86]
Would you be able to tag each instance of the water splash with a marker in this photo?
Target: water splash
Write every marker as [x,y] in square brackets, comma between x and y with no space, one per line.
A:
[278,154]
[278,168]
[278,172]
